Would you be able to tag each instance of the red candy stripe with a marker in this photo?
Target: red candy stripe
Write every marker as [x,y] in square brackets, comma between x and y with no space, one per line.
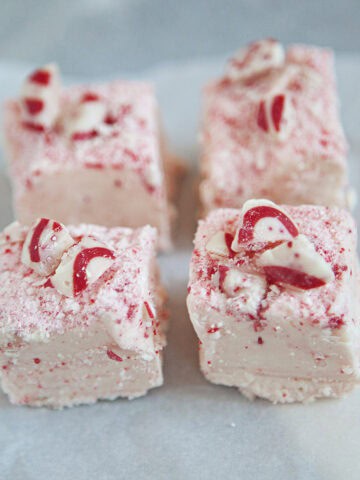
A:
[277,107]
[41,77]
[35,240]
[277,110]
[56,227]
[90,97]
[34,105]
[34,127]
[81,262]
[85,135]
[149,311]
[276,274]
[252,216]
[113,356]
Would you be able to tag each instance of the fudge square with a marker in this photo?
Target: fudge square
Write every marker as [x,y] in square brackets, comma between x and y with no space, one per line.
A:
[271,129]
[81,313]
[90,153]
[274,300]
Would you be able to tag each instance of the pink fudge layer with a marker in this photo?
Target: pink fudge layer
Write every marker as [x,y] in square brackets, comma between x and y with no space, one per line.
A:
[114,179]
[240,160]
[104,343]
[273,341]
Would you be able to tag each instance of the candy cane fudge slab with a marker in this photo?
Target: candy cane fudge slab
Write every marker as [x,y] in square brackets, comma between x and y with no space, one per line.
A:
[89,153]
[81,313]
[274,300]
[271,129]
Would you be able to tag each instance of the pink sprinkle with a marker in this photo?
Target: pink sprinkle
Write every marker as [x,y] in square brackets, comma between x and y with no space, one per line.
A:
[149,311]
[110,119]
[113,356]
[56,227]
[79,136]
[89,97]
[97,166]
[131,311]
[213,330]
[35,127]
[336,322]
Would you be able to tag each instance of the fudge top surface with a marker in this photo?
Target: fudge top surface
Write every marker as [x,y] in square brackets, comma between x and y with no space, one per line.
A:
[234,146]
[333,233]
[28,310]
[129,135]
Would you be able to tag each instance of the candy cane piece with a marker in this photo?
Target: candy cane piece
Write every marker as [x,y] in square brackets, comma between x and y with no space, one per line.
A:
[44,245]
[296,263]
[263,222]
[82,265]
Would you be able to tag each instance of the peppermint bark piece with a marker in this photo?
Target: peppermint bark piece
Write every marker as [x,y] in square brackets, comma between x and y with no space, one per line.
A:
[271,129]
[88,153]
[278,318]
[90,327]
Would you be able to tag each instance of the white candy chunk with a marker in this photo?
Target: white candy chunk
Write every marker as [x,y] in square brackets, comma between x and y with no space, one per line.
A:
[86,119]
[275,116]
[234,283]
[263,222]
[218,246]
[13,233]
[297,263]
[81,266]
[256,59]
[40,97]
[44,246]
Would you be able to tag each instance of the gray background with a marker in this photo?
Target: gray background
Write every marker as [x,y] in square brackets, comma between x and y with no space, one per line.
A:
[98,37]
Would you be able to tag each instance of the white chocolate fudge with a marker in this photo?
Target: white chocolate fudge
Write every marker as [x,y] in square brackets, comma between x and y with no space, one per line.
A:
[271,129]
[274,299]
[88,154]
[81,313]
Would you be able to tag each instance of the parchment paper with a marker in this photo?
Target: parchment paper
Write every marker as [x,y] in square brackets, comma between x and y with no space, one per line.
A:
[188,429]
